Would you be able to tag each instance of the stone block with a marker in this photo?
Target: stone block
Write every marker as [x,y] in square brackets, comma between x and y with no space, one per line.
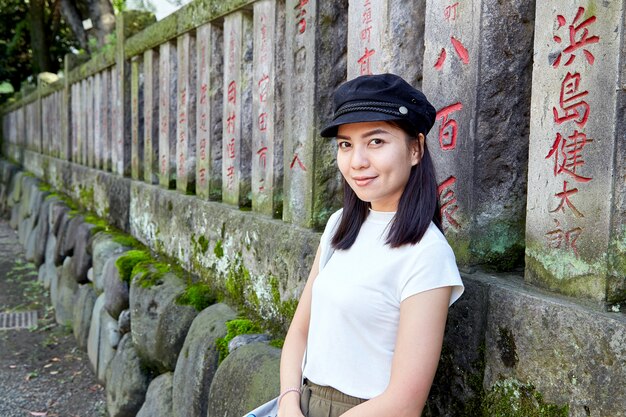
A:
[109,341]
[167,113]
[66,289]
[93,340]
[159,323]
[254,370]
[198,361]
[209,46]
[186,111]
[49,266]
[81,258]
[83,309]
[575,225]
[109,273]
[386,36]
[267,107]
[41,237]
[315,65]
[123,322]
[115,290]
[572,355]
[237,121]
[158,401]
[127,381]
[477,74]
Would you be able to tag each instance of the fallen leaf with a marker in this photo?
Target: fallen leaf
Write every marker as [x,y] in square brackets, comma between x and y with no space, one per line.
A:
[54,372]
[47,365]
[55,359]
[12,366]
[39,414]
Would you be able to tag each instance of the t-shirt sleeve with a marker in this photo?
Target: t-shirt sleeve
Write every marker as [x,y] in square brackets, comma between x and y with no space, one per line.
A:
[327,236]
[434,267]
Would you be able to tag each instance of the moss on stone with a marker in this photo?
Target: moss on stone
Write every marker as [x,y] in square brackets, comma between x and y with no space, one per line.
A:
[127,262]
[277,343]
[512,398]
[85,196]
[204,243]
[235,328]
[126,240]
[150,273]
[198,295]
[218,250]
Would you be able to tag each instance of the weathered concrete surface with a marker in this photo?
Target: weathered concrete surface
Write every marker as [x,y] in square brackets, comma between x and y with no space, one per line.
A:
[109,341]
[64,301]
[254,370]
[103,248]
[158,401]
[115,290]
[197,362]
[83,308]
[127,381]
[93,340]
[159,323]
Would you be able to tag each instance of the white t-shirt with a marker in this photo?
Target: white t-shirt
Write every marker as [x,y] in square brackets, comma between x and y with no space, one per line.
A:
[355,306]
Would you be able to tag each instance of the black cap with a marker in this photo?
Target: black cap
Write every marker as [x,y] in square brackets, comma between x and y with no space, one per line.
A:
[380,97]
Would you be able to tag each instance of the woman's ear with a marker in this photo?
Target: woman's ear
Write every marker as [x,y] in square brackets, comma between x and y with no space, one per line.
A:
[417,149]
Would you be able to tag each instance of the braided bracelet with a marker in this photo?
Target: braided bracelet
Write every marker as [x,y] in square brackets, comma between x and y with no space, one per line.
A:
[287,391]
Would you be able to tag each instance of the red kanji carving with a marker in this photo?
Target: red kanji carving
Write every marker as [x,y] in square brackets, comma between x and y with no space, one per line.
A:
[203,93]
[571,101]
[232,92]
[300,14]
[448,128]
[264,83]
[460,50]
[366,33]
[564,196]
[567,154]
[295,159]
[262,156]
[202,124]
[203,149]
[263,122]
[578,38]
[230,147]
[449,13]
[364,61]
[367,16]
[448,201]
[230,122]
[183,97]
[558,237]
[202,175]
[230,174]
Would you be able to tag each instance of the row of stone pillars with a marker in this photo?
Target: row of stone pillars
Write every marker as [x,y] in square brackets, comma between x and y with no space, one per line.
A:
[230,111]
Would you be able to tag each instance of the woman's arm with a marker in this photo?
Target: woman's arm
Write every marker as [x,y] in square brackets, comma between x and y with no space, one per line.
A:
[418,347]
[293,348]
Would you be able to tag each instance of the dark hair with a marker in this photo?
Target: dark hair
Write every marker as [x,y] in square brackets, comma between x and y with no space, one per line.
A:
[418,205]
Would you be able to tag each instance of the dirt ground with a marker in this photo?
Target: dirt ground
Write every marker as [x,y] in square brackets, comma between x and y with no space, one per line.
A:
[42,372]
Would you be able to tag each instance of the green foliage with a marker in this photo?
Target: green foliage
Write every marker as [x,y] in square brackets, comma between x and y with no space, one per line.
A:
[198,295]
[149,273]
[219,250]
[127,262]
[235,328]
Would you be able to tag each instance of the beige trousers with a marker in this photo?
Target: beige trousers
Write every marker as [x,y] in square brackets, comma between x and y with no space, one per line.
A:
[319,401]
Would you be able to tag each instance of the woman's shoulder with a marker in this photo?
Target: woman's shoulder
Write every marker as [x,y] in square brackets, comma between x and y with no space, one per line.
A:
[434,241]
[333,221]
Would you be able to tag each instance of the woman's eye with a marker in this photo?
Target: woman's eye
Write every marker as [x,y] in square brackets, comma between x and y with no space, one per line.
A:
[343,145]
[376,141]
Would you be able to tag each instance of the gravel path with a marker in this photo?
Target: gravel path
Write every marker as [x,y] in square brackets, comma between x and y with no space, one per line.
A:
[42,372]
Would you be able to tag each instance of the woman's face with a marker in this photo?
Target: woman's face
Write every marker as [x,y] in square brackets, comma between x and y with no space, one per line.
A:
[376,158]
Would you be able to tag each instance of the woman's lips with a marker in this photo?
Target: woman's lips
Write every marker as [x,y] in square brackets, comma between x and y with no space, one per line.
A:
[363,181]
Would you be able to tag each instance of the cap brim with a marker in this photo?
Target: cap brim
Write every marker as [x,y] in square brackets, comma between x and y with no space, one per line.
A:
[330,131]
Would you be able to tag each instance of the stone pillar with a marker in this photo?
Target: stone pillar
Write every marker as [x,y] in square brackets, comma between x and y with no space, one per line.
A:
[121,133]
[75,122]
[66,113]
[314,68]
[136,118]
[267,109]
[84,117]
[106,120]
[116,115]
[167,113]
[575,227]
[90,123]
[386,36]
[477,74]
[97,120]
[150,116]
[237,109]
[209,111]
[186,115]
[47,132]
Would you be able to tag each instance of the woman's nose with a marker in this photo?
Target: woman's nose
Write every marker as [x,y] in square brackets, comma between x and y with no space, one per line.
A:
[359,158]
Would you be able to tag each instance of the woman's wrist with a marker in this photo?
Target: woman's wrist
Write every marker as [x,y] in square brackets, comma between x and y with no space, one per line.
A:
[289,391]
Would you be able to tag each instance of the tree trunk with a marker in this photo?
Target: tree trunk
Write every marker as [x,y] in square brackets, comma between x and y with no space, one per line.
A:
[38,38]
[102,17]
[73,19]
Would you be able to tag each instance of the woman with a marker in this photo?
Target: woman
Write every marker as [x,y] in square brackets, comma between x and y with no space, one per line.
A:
[372,317]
